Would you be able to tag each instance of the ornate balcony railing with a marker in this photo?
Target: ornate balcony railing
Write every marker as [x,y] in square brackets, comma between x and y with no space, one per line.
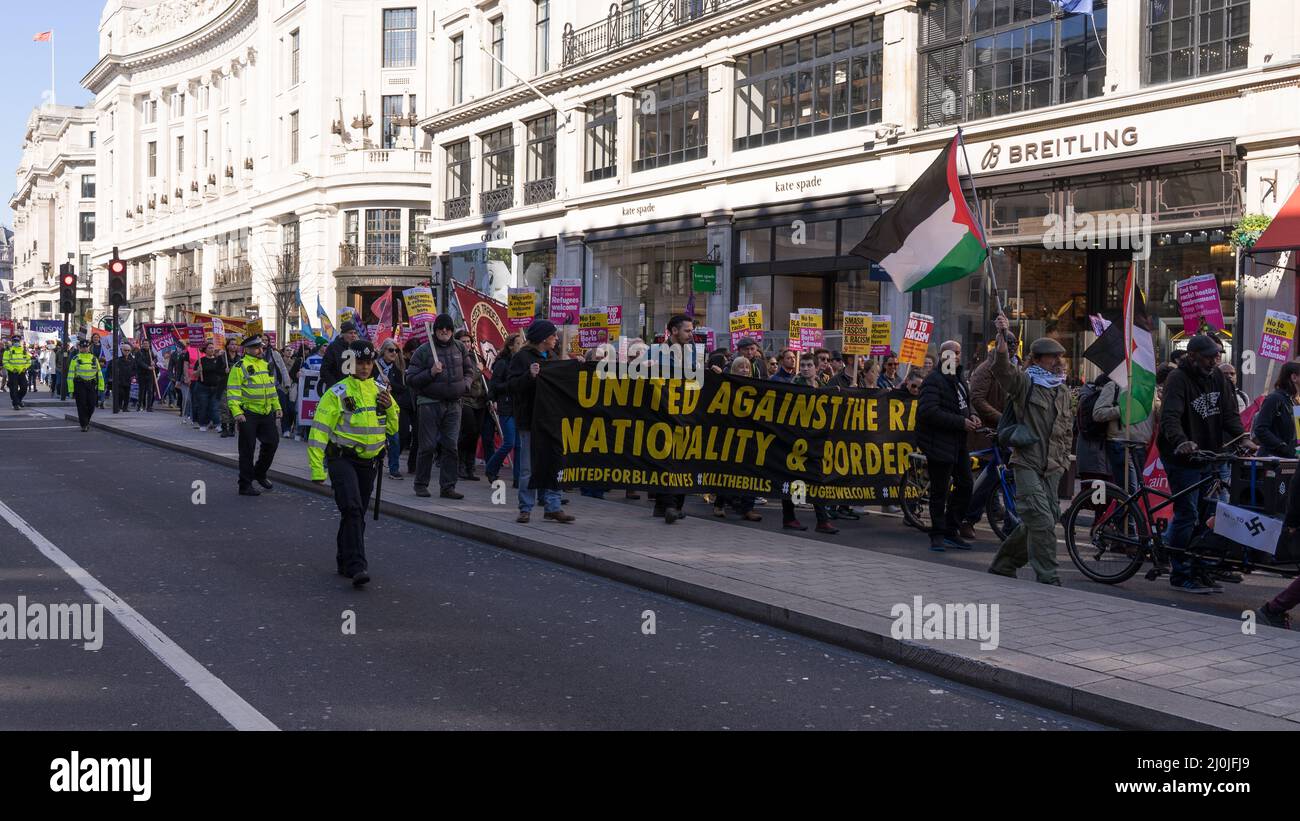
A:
[456,208]
[181,280]
[141,288]
[498,200]
[236,272]
[622,28]
[384,256]
[536,191]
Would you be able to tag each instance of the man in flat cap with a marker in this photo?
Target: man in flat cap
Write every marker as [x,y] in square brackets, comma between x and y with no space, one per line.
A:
[1042,403]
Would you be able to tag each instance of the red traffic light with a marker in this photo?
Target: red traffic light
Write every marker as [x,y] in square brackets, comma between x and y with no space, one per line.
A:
[117,267]
[69,280]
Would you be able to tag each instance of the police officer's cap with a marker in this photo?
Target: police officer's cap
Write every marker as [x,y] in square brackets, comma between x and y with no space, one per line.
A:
[363,349]
[253,342]
[81,341]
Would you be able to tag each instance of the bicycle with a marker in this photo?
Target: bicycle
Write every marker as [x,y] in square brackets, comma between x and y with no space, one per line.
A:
[1109,533]
[914,491]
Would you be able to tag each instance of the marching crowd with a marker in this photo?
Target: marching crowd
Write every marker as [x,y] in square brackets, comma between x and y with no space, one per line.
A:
[433,401]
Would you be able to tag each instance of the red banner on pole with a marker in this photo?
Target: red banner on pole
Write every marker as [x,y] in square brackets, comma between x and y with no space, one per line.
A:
[488,322]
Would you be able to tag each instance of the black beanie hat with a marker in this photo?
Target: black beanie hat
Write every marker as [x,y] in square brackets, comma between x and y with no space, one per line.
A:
[443,323]
[539,330]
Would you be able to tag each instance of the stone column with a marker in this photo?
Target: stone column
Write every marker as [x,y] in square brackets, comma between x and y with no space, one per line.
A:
[570,162]
[318,242]
[263,253]
[208,272]
[713,313]
[720,71]
[162,269]
[625,104]
[1124,36]
[899,103]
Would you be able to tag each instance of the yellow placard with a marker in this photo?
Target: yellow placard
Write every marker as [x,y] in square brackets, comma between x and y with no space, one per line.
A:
[523,303]
[590,318]
[810,318]
[857,332]
[738,321]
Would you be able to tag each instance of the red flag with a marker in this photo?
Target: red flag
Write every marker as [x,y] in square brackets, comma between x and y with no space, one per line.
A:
[43,37]
[382,309]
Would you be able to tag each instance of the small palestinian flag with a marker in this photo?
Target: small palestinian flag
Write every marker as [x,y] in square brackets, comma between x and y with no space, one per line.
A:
[1126,354]
[929,236]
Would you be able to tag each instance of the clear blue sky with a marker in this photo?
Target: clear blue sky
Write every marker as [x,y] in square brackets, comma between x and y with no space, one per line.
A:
[25,67]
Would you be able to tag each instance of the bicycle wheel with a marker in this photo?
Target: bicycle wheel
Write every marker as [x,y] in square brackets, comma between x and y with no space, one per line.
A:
[1094,535]
[914,497]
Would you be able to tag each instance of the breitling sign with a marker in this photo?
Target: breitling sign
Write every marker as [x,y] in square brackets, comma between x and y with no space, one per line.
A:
[1010,153]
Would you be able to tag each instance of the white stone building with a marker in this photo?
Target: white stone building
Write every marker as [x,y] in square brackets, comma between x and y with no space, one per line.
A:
[705,128]
[6,271]
[54,205]
[250,148]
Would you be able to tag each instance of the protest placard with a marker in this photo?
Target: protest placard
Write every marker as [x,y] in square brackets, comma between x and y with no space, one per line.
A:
[916,339]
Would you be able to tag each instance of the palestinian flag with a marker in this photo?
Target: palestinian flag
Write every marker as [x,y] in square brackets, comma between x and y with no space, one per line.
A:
[929,236]
[1126,354]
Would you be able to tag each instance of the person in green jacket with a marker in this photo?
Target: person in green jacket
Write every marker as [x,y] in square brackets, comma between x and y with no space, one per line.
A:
[1042,402]
[348,435]
[85,382]
[255,406]
[16,364]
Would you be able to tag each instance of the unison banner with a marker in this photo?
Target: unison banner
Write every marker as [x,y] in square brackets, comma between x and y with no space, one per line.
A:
[732,435]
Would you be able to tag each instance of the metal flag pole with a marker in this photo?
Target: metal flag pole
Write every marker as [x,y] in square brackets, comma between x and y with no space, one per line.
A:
[979,222]
[53,96]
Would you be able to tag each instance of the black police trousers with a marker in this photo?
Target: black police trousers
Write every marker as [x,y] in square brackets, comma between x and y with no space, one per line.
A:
[86,394]
[17,388]
[352,480]
[257,427]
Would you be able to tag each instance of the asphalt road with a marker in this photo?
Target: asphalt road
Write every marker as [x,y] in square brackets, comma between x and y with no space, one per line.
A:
[452,634]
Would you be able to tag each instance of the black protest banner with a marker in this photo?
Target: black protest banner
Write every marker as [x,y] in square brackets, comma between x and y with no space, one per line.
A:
[731,435]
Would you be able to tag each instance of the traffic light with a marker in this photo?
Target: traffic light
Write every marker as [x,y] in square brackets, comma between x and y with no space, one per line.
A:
[67,289]
[116,281]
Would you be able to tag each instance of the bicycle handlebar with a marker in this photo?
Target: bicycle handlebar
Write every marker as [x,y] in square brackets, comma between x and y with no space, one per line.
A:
[1209,457]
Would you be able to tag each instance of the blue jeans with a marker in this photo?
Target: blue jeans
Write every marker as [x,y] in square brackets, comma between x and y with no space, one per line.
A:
[527,497]
[205,400]
[508,443]
[1186,520]
[1115,454]
[394,454]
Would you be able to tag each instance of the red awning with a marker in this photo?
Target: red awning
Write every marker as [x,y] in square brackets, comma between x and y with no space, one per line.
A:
[1283,233]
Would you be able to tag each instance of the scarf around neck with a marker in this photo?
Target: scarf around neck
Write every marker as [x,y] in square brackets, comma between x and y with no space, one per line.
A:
[1044,378]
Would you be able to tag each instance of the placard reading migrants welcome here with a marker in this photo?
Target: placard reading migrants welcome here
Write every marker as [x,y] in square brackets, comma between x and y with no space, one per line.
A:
[733,436]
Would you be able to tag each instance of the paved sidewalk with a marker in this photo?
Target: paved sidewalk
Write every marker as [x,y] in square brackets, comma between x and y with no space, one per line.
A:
[1121,662]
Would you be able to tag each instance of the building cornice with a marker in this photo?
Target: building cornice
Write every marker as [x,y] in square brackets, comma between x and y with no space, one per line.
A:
[650,50]
[229,22]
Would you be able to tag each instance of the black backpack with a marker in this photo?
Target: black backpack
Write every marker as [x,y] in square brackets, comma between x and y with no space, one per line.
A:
[1090,428]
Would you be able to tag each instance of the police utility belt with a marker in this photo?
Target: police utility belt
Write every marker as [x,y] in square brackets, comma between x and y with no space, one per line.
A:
[334,451]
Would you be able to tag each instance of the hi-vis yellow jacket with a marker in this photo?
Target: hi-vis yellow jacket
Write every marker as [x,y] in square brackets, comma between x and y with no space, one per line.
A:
[16,360]
[348,416]
[83,368]
[251,388]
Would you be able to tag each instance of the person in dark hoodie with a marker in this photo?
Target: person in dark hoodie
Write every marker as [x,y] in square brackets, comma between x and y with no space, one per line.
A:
[521,381]
[438,376]
[498,393]
[944,418]
[1198,413]
[331,366]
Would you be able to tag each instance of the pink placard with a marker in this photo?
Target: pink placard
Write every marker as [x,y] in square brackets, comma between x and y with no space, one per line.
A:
[566,301]
[1198,298]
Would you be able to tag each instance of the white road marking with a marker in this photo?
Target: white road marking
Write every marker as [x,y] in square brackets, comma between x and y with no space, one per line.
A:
[44,427]
[239,713]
